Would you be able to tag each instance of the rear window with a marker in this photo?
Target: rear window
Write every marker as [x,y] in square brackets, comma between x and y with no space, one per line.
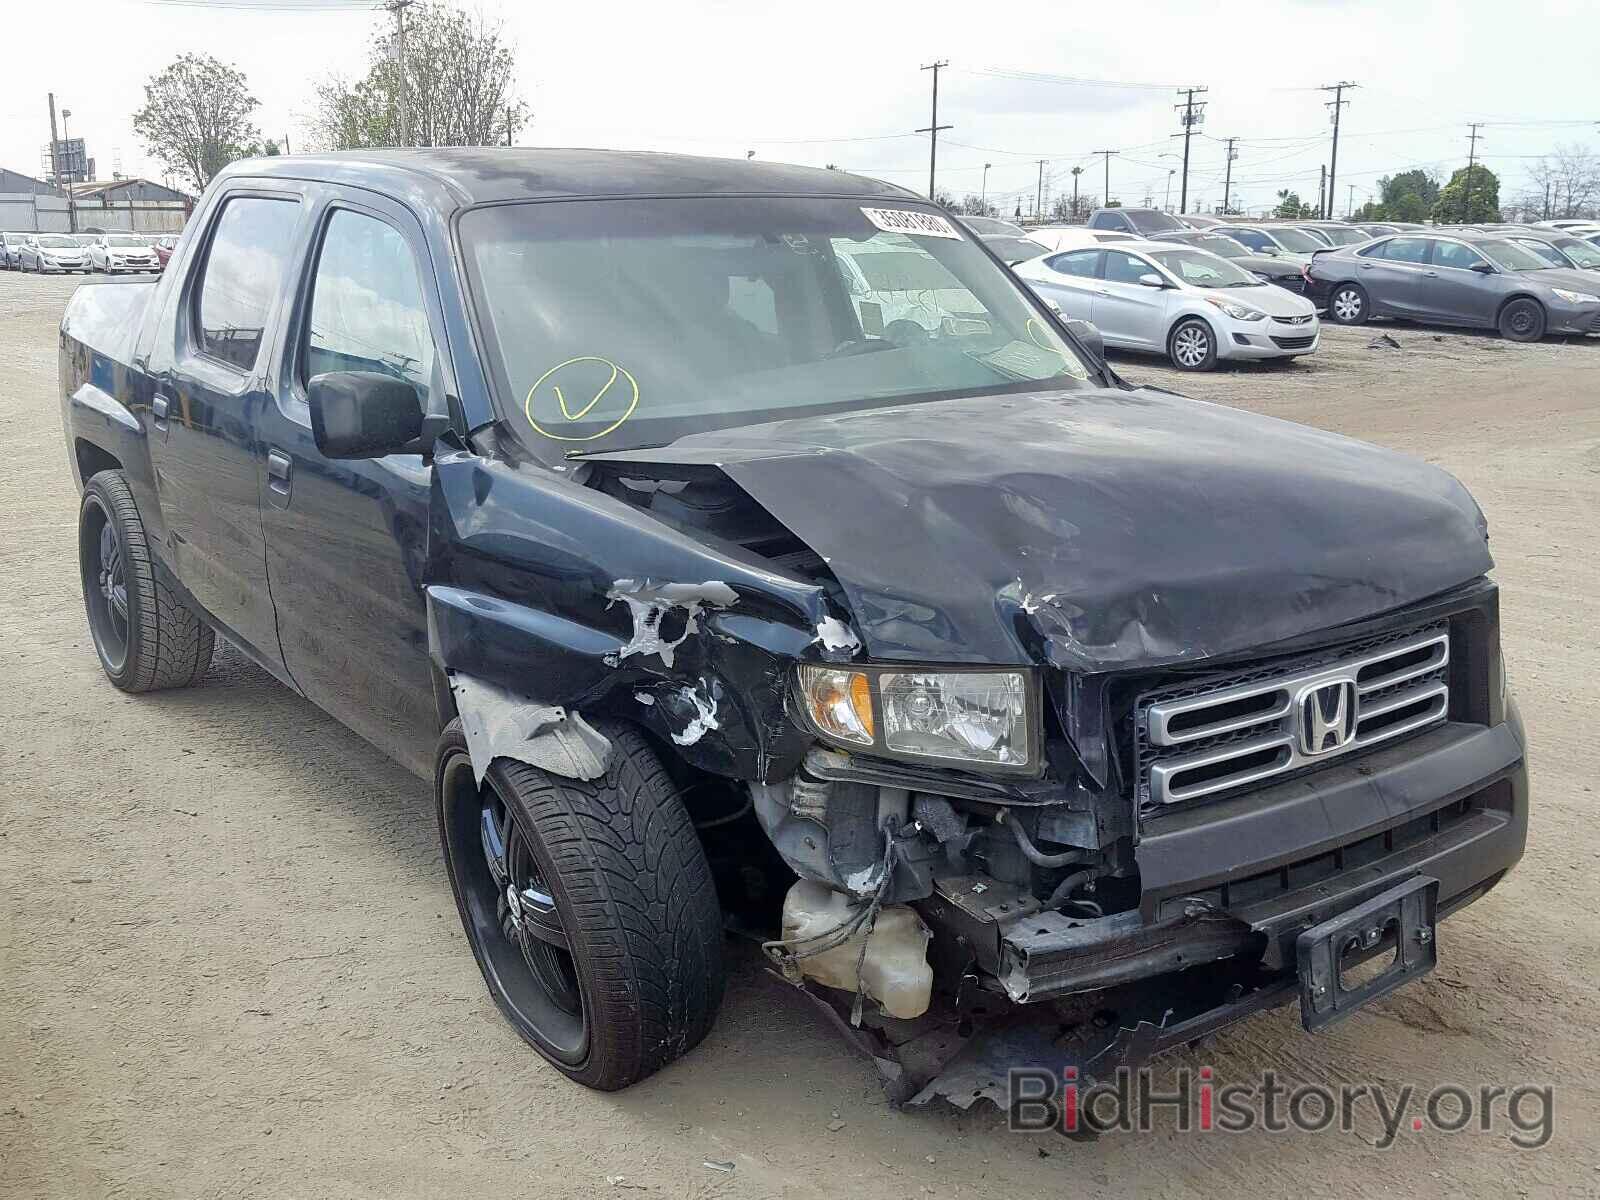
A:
[1147,220]
[242,273]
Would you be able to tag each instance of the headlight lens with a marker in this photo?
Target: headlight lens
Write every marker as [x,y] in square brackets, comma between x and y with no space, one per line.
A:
[980,718]
[1576,297]
[1239,312]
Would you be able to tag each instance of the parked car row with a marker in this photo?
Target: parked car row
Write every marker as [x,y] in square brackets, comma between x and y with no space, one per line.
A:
[107,253]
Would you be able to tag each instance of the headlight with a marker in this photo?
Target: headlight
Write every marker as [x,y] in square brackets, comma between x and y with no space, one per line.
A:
[1239,312]
[1576,297]
[985,719]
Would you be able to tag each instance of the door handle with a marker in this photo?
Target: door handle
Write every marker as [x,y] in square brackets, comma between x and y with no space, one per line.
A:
[159,407]
[1366,266]
[1430,274]
[1102,291]
[280,476]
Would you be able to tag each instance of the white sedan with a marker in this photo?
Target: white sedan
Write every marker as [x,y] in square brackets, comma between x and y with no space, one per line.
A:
[122,252]
[1195,307]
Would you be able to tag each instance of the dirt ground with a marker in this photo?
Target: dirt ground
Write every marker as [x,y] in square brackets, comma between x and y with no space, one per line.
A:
[230,965]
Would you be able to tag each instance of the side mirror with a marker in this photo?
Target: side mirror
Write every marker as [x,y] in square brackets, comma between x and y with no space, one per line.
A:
[1088,335]
[363,414]
[1483,268]
[1151,280]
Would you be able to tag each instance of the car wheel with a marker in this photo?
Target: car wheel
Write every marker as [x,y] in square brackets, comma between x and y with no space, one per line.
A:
[1522,320]
[146,637]
[1349,305]
[589,906]
[1192,346]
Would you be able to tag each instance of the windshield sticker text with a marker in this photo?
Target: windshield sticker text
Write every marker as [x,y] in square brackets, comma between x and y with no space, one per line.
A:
[905,220]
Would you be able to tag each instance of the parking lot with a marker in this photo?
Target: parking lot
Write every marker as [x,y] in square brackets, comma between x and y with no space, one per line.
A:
[231,966]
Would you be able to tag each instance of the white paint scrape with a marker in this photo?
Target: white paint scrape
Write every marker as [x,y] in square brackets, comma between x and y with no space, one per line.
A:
[834,634]
[705,718]
[649,602]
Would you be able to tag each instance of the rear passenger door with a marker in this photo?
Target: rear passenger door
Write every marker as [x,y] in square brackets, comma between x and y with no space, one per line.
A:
[1072,283]
[1393,276]
[347,539]
[203,412]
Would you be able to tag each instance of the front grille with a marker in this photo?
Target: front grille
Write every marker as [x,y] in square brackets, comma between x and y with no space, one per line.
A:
[1294,343]
[1235,731]
[1293,320]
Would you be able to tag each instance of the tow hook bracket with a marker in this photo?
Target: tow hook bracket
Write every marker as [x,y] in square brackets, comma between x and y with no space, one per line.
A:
[1401,920]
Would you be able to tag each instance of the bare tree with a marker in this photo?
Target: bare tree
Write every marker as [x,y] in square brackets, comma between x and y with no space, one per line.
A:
[1569,179]
[457,84]
[196,117]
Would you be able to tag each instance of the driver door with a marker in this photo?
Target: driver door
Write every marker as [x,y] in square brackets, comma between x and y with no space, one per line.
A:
[1128,312]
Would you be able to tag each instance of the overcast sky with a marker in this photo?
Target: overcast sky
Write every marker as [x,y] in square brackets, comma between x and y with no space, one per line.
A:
[726,76]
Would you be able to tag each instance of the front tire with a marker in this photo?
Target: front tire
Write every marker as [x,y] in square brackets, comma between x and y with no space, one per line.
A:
[146,638]
[1349,305]
[589,906]
[1192,346]
[1522,320]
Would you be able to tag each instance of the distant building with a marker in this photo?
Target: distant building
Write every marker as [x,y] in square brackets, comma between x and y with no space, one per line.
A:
[121,191]
[15,183]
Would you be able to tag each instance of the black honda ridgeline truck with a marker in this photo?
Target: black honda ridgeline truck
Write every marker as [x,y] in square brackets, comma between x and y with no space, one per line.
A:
[742,547]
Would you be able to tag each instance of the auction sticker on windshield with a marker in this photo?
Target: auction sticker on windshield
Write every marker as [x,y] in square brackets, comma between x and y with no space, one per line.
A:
[905,220]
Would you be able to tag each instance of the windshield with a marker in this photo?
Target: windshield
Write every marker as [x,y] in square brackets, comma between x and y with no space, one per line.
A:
[126,240]
[1346,237]
[1319,236]
[629,323]
[1296,242]
[1511,257]
[1199,269]
[1015,249]
[1148,220]
[992,225]
[1551,256]
[1218,243]
[1580,252]
[57,242]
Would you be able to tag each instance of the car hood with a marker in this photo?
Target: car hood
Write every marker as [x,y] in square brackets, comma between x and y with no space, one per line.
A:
[1096,529]
[1261,264]
[1568,279]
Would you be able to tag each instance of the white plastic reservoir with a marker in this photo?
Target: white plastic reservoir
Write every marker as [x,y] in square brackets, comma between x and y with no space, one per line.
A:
[896,972]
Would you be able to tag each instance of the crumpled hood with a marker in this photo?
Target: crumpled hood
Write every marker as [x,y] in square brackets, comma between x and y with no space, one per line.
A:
[1097,529]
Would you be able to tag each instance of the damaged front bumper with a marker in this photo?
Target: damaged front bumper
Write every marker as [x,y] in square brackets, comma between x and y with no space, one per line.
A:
[1227,893]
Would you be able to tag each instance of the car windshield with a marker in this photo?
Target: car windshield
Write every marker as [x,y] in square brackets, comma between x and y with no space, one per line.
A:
[1509,256]
[1319,236]
[1219,243]
[127,240]
[1147,220]
[1199,269]
[632,323]
[1346,237]
[51,241]
[1551,256]
[1296,242]
[1580,252]
[992,225]
[1015,249]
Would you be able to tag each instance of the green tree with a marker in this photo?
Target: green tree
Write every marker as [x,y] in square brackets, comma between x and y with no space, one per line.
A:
[196,117]
[1465,200]
[1289,205]
[455,87]
[1408,196]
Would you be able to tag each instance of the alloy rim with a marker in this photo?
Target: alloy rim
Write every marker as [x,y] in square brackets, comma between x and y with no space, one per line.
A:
[105,587]
[1190,347]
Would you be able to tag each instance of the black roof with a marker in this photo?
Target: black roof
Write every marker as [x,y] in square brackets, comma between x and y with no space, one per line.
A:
[474,175]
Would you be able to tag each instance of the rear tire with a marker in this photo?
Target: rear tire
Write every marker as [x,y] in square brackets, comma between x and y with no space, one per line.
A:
[589,906]
[1522,320]
[146,638]
[1349,305]
[1192,346]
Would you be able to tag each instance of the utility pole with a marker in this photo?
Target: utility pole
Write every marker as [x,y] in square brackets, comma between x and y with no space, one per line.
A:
[1076,171]
[1350,209]
[1324,196]
[1192,115]
[1227,181]
[508,125]
[983,192]
[1337,104]
[398,8]
[1038,200]
[286,149]
[1472,159]
[933,126]
[1105,200]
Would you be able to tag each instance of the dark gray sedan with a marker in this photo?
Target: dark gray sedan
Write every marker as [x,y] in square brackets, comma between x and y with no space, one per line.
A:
[1476,279]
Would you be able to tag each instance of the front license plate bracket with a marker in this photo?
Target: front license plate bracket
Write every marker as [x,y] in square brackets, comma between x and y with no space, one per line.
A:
[1401,921]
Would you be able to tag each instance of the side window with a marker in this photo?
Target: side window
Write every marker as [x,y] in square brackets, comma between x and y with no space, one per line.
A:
[1078,262]
[1376,250]
[240,282]
[1101,220]
[367,312]
[1252,239]
[1454,254]
[1407,249]
[1125,268]
[1543,249]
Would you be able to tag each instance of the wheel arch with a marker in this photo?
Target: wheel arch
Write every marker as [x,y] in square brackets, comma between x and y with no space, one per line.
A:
[1191,314]
[1519,295]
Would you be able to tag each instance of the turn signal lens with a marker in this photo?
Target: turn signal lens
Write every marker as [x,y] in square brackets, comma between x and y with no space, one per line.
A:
[839,703]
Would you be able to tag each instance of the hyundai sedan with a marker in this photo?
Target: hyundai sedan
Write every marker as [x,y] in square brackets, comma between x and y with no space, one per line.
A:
[1196,308]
